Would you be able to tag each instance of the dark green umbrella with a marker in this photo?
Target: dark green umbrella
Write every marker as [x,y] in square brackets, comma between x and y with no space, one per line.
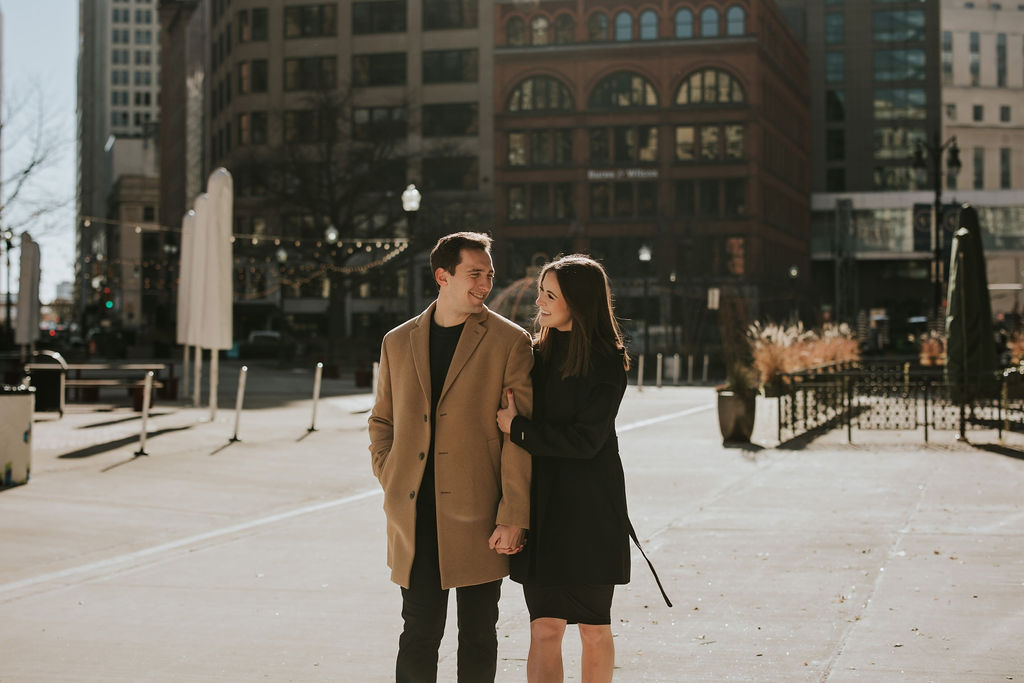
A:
[970,345]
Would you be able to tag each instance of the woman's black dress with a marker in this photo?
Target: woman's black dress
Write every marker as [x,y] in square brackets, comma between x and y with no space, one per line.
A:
[578,546]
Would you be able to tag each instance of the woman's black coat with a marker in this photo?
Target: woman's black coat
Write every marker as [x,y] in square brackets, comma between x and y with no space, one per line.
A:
[579,531]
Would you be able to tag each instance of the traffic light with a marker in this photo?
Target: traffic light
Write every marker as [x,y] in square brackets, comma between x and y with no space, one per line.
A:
[108,299]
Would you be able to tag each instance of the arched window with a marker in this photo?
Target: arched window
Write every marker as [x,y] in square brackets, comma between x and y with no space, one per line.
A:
[735,21]
[624,89]
[648,25]
[684,24]
[597,27]
[539,31]
[710,86]
[564,29]
[708,22]
[540,93]
[515,32]
[623,26]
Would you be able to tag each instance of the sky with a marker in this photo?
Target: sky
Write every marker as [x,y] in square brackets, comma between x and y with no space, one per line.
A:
[40,52]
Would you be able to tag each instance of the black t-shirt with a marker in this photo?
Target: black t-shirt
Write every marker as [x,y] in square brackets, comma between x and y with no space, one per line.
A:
[443,341]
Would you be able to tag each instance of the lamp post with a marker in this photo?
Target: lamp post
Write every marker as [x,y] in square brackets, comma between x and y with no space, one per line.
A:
[8,235]
[929,157]
[794,274]
[644,255]
[411,205]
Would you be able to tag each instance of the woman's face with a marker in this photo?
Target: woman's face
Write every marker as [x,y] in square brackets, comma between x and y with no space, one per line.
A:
[554,312]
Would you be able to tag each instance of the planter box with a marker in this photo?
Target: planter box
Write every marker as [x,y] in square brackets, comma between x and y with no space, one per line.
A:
[735,416]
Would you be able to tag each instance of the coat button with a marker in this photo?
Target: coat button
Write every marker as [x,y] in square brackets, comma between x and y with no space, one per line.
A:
[412,494]
[425,418]
[422,455]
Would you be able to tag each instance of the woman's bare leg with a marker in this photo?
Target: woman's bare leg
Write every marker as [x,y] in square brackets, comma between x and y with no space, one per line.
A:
[598,658]
[544,664]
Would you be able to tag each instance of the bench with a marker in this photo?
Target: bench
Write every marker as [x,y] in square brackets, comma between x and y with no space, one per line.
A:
[130,376]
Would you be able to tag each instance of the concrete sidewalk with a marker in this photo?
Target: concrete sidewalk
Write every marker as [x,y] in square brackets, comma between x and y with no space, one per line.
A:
[264,559]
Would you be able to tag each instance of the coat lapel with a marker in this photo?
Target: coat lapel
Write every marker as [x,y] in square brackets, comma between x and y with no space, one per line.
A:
[472,335]
[419,338]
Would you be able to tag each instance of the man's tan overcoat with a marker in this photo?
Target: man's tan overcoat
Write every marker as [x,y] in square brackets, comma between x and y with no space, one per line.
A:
[481,479]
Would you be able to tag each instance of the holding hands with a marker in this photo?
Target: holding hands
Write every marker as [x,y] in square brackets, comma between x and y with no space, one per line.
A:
[505,415]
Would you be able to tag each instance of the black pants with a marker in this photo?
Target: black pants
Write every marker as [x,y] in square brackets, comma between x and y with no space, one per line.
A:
[425,610]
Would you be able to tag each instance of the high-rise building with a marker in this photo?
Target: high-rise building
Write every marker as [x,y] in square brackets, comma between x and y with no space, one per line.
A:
[118,96]
[671,142]
[983,109]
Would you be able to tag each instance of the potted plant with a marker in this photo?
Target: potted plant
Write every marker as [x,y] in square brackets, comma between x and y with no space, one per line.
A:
[736,404]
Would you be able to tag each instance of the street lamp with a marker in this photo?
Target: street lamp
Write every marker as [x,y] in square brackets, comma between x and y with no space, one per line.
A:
[411,205]
[8,235]
[644,254]
[794,274]
[933,164]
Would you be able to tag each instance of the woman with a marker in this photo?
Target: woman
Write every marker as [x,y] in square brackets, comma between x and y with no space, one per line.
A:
[579,531]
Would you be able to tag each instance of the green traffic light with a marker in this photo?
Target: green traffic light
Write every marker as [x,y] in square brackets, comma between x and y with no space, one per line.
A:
[109,304]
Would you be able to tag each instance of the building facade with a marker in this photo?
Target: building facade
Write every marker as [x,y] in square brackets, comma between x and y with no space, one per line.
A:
[118,96]
[671,142]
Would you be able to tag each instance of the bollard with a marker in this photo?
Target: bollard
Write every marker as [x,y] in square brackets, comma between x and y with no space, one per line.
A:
[640,373]
[689,369]
[316,393]
[146,392]
[185,372]
[657,372]
[675,369]
[238,401]
[704,372]
[197,374]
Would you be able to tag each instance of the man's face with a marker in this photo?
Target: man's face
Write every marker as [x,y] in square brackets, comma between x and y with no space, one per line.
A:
[464,292]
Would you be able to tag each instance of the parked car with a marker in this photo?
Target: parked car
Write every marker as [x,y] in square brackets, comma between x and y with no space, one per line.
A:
[266,344]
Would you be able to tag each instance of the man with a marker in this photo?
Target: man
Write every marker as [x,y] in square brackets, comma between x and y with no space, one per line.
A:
[456,495]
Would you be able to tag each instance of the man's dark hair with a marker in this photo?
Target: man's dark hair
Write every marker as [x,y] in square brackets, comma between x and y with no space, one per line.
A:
[447,253]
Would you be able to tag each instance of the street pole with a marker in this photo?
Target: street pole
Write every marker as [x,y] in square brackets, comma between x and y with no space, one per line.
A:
[935,156]
[411,205]
[644,255]
[8,235]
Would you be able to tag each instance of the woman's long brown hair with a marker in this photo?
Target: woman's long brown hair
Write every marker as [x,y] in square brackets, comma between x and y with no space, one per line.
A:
[587,294]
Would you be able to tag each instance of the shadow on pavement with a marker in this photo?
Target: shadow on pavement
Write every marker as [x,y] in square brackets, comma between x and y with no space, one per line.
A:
[1000,450]
[118,421]
[96,449]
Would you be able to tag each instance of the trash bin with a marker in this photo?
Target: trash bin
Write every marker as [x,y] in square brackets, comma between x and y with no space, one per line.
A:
[48,371]
[16,406]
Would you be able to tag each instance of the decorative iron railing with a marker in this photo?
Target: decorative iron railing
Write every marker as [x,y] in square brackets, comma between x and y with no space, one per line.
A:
[898,396]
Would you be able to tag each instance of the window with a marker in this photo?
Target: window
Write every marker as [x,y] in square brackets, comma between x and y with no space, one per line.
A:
[623,26]
[975,61]
[835,28]
[624,89]
[444,14]
[597,27]
[648,25]
[735,21]
[835,66]
[451,119]
[310,73]
[565,29]
[979,168]
[684,24]
[1004,114]
[897,142]
[1001,60]
[310,21]
[686,199]
[515,209]
[978,113]
[625,200]
[515,32]
[835,105]
[710,86]
[835,180]
[379,123]
[900,103]
[259,24]
[708,22]
[450,173]
[623,145]
[540,93]
[835,144]
[951,112]
[539,34]
[303,126]
[947,58]
[449,66]
[898,26]
[387,16]
[386,68]
[547,202]
[899,65]
[1004,168]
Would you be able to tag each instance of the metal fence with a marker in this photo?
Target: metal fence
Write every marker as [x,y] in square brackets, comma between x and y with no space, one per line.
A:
[898,396]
